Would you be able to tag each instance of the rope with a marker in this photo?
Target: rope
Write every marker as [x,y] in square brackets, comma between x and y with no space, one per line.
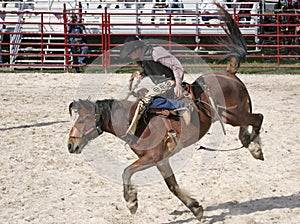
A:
[219,150]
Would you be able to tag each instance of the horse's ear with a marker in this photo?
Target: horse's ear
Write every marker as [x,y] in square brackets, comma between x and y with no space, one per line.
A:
[70,108]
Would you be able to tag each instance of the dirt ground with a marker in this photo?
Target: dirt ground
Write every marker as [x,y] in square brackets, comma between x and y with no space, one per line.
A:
[40,182]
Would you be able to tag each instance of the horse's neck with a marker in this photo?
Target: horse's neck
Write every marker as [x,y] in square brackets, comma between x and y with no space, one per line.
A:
[119,117]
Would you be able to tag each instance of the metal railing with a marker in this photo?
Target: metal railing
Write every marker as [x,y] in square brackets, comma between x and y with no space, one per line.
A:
[270,39]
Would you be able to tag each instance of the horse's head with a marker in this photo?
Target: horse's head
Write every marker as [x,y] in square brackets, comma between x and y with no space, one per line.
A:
[86,124]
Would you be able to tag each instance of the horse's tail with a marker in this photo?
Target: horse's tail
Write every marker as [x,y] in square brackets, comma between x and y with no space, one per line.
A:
[235,42]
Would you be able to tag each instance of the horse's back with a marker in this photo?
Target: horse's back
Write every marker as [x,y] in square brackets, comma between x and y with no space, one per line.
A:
[226,89]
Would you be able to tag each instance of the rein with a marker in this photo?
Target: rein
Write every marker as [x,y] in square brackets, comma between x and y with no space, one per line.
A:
[85,135]
[219,150]
[213,105]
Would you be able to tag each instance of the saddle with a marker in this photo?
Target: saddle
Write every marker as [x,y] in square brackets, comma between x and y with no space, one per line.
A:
[187,105]
[169,108]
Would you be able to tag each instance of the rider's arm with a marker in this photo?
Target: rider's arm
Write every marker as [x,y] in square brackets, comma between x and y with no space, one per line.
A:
[163,56]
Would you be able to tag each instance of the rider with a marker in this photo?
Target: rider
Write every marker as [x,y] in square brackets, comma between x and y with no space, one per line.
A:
[163,68]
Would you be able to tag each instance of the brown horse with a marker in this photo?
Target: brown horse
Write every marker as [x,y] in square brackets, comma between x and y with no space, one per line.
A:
[220,96]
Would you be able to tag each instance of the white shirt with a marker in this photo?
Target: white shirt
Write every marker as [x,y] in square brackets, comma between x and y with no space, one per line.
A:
[209,6]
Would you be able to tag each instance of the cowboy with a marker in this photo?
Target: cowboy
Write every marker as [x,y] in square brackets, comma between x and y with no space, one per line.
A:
[164,70]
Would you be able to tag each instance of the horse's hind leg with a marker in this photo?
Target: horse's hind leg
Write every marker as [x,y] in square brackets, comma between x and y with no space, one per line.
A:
[255,143]
[167,173]
[251,141]
[244,136]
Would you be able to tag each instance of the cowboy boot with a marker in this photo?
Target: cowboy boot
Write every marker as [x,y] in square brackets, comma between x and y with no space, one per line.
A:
[186,116]
[129,135]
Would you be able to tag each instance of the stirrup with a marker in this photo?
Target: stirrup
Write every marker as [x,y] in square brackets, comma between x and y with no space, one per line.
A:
[130,138]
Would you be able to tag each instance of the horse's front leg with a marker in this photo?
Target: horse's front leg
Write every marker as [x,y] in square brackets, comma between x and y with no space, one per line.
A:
[167,173]
[130,192]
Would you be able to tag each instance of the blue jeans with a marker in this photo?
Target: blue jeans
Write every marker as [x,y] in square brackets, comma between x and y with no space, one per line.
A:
[176,8]
[84,51]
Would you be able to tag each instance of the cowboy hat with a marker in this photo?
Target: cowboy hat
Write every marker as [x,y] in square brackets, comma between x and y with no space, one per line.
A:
[130,45]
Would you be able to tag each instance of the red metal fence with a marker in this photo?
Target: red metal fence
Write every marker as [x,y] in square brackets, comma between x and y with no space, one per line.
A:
[41,43]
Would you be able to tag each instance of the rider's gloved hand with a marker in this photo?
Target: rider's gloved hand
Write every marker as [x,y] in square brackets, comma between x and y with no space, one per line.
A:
[138,75]
[178,90]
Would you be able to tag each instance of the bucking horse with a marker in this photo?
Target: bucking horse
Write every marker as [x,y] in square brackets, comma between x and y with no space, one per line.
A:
[161,133]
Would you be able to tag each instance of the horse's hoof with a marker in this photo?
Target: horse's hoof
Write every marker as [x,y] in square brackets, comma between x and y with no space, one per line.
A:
[132,201]
[256,151]
[132,206]
[198,212]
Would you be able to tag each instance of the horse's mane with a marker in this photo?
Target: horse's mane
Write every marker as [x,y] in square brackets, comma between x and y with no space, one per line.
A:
[110,104]
[109,108]
[105,103]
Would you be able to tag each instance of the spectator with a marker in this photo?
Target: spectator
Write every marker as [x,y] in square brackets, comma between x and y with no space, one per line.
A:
[245,8]
[76,27]
[280,6]
[209,7]
[4,4]
[176,6]
[100,5]
[158,5]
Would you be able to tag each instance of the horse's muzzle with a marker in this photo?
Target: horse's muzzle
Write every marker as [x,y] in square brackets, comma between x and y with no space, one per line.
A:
[73,149]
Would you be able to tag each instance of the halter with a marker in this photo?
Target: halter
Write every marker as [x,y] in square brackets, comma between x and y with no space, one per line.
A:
[75,133]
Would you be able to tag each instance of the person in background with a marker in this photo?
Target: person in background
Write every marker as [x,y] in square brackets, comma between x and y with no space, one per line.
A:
[160,6]
[164,70]
[208,7]
[76,27]
[176,6]
[245,8]
[4,3]
[100,5]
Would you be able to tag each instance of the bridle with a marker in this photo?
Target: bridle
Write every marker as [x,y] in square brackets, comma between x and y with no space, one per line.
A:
[87,135]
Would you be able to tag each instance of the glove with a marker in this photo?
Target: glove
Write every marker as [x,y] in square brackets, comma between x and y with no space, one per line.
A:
[138,75]
[178,90]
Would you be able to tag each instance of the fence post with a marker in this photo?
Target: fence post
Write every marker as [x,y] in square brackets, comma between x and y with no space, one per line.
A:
[278,38]
[108,42]
[66,47]
[103,35]
[42,39]
[105,40]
